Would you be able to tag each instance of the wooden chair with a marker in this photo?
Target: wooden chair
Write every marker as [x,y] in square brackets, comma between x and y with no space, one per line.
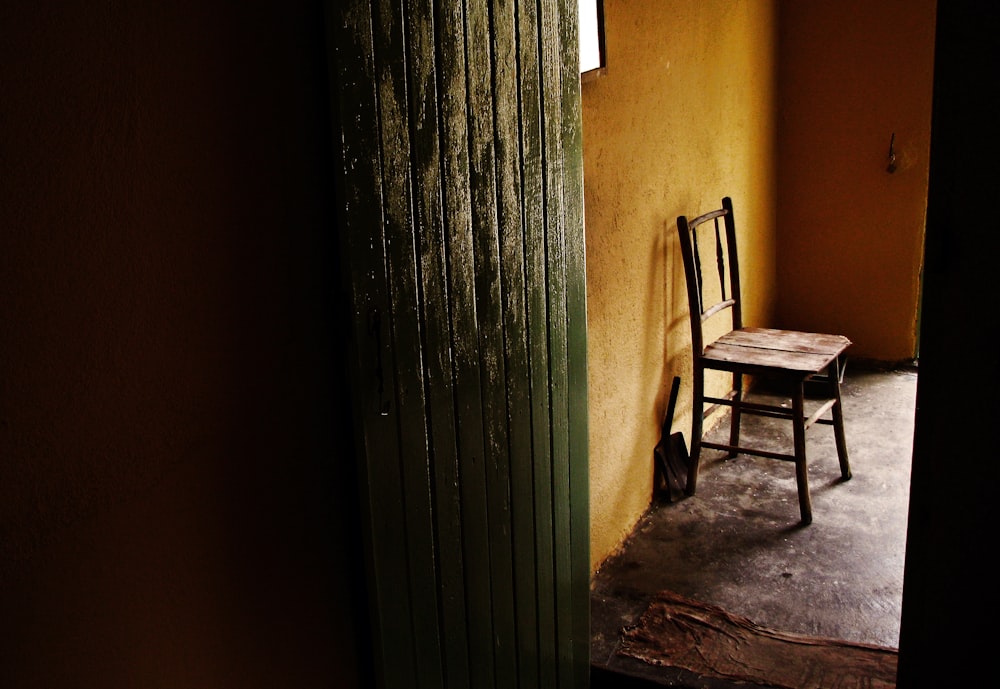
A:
[790,356]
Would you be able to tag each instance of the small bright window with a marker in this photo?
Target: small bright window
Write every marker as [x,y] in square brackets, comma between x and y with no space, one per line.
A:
[591,35]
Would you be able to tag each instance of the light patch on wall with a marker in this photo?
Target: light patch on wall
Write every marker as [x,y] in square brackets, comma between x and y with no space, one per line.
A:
[591,45]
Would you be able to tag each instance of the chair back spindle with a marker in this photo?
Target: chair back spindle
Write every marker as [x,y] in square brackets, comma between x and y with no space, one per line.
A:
[728,282]
[720,260]
[697,271]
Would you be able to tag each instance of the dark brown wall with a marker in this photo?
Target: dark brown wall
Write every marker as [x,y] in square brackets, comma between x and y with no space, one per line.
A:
[950,595]
[850,234]
[175,489]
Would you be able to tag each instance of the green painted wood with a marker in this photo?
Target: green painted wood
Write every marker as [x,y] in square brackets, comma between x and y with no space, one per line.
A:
[407,410]
[483,108]
[511,218]
[361,196]
[440,389]
[462,195]
[464,343]
[533,202]
[551,48]
[576,336]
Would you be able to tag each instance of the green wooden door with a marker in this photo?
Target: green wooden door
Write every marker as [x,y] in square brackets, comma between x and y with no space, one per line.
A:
[461,201]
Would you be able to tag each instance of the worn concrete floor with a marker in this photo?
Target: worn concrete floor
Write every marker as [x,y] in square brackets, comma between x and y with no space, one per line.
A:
[737,542]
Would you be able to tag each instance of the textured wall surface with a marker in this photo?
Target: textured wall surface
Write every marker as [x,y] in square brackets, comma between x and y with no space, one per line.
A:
[171,505]
[851,234]
[683,117]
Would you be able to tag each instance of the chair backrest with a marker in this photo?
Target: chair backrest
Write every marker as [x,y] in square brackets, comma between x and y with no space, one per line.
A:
[721,285]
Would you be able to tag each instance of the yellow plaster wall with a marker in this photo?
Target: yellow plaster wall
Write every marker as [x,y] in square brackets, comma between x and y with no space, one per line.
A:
[850,233]
[684,116]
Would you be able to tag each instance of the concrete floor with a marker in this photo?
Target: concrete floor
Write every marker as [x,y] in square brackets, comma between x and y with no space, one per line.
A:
[737,542]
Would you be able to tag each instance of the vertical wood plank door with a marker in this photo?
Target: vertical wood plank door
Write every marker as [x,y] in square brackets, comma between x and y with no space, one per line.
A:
[460,192]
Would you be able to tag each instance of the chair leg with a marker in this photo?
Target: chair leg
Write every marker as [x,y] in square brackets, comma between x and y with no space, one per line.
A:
[838,422]
[697,424]
[799,433]
[737,413]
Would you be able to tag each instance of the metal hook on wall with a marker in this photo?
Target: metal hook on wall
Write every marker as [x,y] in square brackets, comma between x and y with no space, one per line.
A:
[892,155]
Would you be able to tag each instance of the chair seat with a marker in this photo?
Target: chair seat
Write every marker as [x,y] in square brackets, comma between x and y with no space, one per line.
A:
[765,350]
